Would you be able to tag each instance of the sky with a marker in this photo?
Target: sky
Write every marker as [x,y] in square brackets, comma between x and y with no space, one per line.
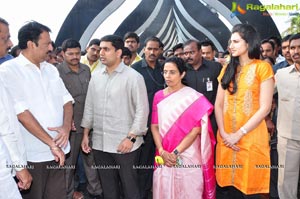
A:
[53,13]
[282,22]
[48,12]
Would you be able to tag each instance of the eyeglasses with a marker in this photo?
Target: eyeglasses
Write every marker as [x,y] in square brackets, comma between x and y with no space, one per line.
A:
[171,72]
[186,53]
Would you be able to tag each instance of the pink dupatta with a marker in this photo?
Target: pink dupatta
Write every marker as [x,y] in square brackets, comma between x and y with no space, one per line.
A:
[181,112]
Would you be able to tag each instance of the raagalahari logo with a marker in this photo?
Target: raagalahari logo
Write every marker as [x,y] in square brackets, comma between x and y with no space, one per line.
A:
[280,9]
[236,10]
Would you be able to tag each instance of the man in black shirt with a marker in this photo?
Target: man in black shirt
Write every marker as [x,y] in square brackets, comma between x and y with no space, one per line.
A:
[202,74]
[151,70]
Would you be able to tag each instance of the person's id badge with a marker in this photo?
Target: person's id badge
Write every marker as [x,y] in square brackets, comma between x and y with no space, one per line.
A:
[209,85]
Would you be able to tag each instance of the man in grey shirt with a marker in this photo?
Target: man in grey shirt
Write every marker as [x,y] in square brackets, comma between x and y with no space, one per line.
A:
[117,109]
[76,77]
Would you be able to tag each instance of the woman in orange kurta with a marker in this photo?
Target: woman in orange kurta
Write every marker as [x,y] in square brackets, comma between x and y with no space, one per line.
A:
[243,100]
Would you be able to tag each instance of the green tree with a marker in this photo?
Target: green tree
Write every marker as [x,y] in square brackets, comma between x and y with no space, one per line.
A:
[294,26]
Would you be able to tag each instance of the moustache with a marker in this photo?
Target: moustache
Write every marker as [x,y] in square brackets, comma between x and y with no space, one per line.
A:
[152,56]
[189,59]
[297,54]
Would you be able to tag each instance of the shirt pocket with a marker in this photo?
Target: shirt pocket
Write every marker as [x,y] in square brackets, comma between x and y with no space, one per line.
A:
[56,91]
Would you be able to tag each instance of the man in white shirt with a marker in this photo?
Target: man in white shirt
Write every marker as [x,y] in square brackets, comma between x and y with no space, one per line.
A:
[117,109]
[288,125]
[44,108]
[12,138]
[8,186]
[10,134]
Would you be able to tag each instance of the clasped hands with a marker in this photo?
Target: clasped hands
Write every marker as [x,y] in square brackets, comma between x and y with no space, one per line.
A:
[230,140]
[170,159]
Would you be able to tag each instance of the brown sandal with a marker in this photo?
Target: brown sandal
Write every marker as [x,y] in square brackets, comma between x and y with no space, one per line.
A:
[78,195]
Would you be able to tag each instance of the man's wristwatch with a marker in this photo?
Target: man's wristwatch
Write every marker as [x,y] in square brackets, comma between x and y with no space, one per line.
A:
[132,139]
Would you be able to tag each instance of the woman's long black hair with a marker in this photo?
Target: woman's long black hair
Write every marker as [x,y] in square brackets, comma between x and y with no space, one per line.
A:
[251,36]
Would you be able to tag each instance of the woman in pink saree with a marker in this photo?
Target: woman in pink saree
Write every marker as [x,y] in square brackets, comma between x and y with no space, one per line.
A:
[184,139]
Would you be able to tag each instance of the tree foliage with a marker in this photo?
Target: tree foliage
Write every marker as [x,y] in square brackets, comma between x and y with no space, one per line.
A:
[294,26]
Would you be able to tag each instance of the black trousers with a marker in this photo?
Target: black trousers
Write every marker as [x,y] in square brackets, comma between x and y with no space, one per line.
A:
[146,159]
[48,181]
[274,170]
[118,174]
[231,192]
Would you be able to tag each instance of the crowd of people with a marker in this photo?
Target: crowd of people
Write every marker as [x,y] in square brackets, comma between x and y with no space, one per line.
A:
[110,122]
